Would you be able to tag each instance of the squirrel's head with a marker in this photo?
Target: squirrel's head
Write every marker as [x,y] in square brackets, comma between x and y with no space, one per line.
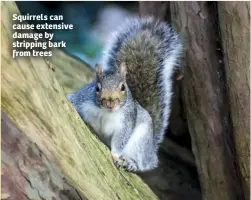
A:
[111,88]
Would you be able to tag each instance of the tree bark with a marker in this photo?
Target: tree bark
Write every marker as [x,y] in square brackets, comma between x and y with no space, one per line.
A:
[33,99]
[206,102]
[159,9]
[70,72]
[26,172]
[235,30]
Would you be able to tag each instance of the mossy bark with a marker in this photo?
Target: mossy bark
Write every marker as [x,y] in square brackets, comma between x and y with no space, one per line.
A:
[34,100]
[70,72]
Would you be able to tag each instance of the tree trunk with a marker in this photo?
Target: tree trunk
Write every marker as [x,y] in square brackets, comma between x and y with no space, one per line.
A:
[206,101]
[159,9]
[26,172]
[33,99]
[235,30]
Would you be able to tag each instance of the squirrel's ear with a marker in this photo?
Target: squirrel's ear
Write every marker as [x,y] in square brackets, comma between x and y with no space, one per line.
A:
[98,69]
[122,70]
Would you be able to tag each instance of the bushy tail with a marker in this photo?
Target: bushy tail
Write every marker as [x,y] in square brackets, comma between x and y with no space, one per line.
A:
[152,51]
[158,138]
[171,60]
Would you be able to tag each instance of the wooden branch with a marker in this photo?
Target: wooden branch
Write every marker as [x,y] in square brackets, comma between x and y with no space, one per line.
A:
[70,72]
[235,30]
[33,99]
[26,172]
[206,101]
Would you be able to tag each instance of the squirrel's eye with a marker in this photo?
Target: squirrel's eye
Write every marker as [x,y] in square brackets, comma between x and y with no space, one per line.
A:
[98,87]
[122,87]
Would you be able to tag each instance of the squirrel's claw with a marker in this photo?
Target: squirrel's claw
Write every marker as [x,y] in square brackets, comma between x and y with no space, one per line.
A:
[125,162]
[129,164]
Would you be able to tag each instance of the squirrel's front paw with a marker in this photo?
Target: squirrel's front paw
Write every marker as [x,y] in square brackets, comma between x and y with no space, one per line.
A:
[117,160]
[129,164]
[122,161]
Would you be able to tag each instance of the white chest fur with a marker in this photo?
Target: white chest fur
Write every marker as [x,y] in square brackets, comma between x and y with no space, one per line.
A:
[105,123]
[111,122]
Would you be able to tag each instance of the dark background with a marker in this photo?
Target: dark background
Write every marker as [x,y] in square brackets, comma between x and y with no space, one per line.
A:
[92,21]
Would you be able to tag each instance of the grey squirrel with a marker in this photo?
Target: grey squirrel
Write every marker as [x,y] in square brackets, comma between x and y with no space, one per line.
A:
[128,105]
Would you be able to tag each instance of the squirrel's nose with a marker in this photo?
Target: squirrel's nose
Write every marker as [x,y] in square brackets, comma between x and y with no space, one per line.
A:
[108,104]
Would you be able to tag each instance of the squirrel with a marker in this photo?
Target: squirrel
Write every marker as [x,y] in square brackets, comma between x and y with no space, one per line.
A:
[128,105]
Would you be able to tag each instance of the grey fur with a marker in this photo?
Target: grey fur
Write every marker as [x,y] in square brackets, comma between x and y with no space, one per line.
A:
[157,41]
[143,156]
[145,45]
